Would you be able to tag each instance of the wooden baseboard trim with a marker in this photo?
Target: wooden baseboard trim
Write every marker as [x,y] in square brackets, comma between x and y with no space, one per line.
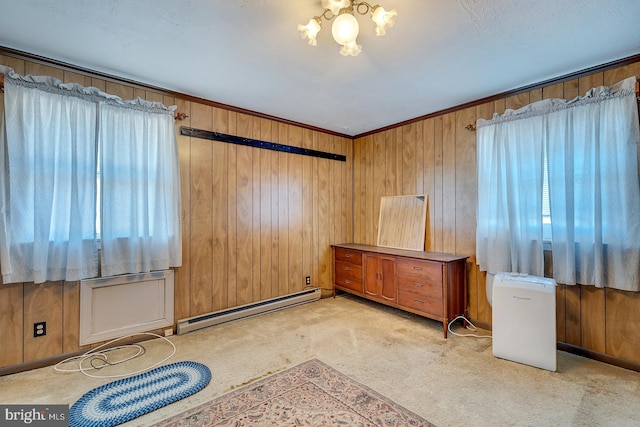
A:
[601,357]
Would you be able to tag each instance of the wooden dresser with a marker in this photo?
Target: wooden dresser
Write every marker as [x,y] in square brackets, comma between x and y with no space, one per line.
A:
[430,284]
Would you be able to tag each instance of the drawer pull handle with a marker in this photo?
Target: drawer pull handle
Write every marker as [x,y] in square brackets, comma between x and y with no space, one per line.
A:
[418,285]
[388,298]
[347,269]
[347,256]
[348,282]
[419,301]
[370,293]
[415,267]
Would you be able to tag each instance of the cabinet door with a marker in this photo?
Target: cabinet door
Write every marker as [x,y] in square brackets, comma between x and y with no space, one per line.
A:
[372,285]
[380,277]
[388,276]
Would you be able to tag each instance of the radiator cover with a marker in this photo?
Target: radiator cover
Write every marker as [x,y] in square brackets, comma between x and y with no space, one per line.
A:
[247,310]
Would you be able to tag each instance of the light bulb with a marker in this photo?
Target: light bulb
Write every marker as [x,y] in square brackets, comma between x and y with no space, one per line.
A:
[383,19]
[351,49]
[310,31]
[345,28]
[335,5]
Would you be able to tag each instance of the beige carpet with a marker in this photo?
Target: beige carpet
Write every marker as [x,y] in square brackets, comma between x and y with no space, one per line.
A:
[452,382]
[310,394]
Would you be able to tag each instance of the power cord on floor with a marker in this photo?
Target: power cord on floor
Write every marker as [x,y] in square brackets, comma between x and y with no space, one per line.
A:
[470,326]
[98,358]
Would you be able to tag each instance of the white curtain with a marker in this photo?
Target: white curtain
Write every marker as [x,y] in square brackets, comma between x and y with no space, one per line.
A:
[47,224]
[591,146]
[51,185]
[594,190]
[509,220]
[140,190]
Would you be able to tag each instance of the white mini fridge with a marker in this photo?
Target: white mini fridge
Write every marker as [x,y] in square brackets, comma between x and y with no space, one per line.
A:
[524,319]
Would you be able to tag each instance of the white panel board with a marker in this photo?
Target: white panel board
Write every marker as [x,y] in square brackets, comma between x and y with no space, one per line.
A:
[113,307]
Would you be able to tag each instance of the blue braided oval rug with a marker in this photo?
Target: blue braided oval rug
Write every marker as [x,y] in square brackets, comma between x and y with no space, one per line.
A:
[128,398]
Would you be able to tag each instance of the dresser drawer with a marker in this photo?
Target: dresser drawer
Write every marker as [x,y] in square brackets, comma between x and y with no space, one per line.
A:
[348,275]
[345,282]
[348,255]
[421,303]
[427,270]
[420,286]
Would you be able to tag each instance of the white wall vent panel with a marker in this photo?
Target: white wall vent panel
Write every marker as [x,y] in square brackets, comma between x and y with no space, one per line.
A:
[112,307]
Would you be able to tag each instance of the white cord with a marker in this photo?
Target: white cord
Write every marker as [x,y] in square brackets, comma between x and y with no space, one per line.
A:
[472,328]
[103,356]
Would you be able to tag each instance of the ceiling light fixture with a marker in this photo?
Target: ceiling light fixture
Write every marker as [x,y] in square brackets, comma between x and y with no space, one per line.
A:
[345,26]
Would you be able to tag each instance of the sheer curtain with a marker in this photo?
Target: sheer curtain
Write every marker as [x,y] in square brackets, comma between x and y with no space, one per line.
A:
[509,219]
[591,145]
[594,190]
[47,223]
[50,186]
[140,190]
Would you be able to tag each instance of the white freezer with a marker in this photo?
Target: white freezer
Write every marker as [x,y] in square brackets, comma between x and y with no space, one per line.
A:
[524,319]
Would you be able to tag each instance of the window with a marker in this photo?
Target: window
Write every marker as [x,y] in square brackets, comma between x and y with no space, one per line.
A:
[579,159]
[58,183]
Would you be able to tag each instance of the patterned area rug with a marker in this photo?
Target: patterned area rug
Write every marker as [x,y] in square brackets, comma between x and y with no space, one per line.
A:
[310,394]
[128,398]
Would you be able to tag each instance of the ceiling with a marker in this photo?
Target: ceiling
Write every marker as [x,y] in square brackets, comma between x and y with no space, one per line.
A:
[248,53]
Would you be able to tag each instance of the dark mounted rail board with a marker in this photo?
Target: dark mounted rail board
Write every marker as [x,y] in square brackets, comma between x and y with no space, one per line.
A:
[232,139]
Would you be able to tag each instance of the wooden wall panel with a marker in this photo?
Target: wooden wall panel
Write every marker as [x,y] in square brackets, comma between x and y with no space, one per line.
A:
[438,196]
[592,326]
[71,317]
[11,324]
[221,231]
[256,281]
[449,194]
[244,214]
[308,211]
[201,211]
[266,189]
[283,214]
[379,168]
[409,167]
[42,303]
[429,178]
[324,212]
[622,320]
[295,209]
[466,184]
[182,281]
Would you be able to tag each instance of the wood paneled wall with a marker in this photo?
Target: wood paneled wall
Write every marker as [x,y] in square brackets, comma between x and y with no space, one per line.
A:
[255,222]
[437,157]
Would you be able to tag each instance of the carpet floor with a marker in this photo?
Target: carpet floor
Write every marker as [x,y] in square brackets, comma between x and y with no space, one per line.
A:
[452,382]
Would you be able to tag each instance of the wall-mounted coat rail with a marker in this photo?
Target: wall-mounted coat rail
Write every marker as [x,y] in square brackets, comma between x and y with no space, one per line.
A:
[232,139]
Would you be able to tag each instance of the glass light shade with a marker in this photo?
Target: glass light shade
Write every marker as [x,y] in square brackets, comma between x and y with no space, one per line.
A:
[351,49]
[345,28]
[383,19]
[335,5]
[310,31]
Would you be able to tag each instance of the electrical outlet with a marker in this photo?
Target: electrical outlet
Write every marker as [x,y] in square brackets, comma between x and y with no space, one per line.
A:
[308,280]
[39,329]
[168,332]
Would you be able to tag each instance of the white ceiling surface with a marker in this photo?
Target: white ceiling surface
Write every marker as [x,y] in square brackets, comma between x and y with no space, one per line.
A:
[249,54]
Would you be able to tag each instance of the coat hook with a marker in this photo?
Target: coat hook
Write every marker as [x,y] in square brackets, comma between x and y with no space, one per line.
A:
[470,127]
[180,116]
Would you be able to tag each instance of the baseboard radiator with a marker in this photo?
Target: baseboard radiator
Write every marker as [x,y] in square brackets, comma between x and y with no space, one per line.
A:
[247,310]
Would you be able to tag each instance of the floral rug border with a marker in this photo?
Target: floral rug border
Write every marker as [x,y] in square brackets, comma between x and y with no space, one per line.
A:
[312,393]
